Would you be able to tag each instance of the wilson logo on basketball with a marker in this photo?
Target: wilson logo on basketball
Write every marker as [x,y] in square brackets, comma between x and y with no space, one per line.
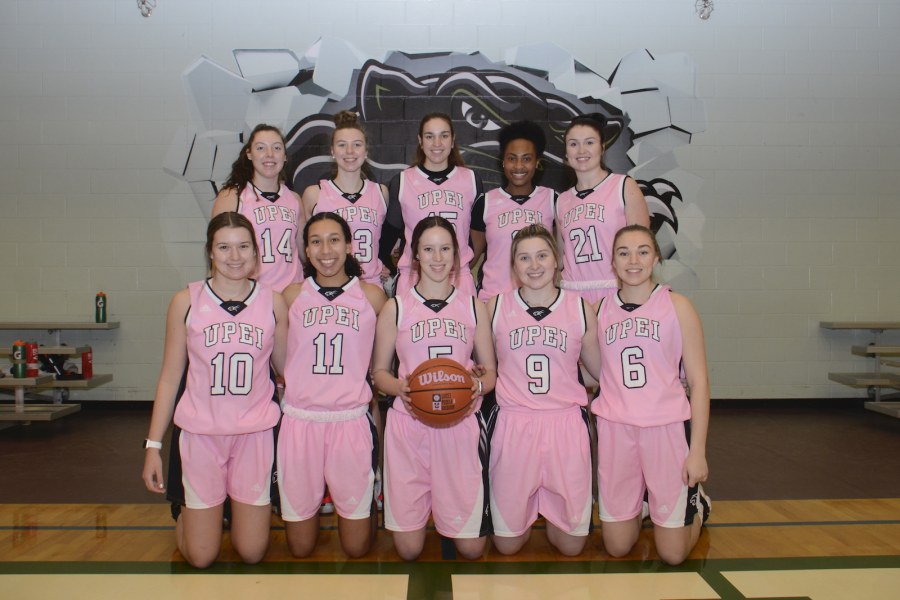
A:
[440,377]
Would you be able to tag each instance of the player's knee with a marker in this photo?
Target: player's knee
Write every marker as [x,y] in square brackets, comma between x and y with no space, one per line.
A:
[571,547]
[674,545]
[200,559]
[408,549]
[301,548]
[356,548]
[617,547]
[409,544]
[672,556]
[470,549]
[507,546]
[471,554]
[300,552]
[302,537]
[409,553]
[204,563]
[254,556]
[251,552]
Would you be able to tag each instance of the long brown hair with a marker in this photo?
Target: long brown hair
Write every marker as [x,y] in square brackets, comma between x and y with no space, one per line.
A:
[242,168]
[455,159]
[441,223]
[221,221]
[595,121]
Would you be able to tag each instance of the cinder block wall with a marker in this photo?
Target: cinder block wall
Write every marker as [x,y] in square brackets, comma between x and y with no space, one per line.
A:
[797,216]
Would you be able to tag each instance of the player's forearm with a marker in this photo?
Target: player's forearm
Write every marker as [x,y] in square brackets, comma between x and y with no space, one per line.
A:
[699,416]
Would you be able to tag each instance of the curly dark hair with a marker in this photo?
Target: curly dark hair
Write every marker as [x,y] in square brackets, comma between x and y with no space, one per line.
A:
[523,130]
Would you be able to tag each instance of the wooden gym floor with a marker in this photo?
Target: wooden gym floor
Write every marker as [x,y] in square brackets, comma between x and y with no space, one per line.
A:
[806,504]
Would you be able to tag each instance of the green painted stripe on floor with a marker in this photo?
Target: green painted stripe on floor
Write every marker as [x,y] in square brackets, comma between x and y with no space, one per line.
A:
[713,525]
[433,579]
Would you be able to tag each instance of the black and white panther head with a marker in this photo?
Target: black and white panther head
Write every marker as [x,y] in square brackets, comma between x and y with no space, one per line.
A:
[481,97]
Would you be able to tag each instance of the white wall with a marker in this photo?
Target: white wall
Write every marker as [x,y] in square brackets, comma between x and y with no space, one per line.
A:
[798,215]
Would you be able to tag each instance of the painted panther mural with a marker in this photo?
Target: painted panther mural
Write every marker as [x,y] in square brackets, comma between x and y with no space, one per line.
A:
[392,95]
[479,98]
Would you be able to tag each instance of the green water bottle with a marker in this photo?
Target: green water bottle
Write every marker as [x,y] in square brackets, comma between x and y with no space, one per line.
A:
[18,359]
[100,308]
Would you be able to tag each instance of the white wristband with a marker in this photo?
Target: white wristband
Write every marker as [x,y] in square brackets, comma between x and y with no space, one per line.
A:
[151,444]
[480,387]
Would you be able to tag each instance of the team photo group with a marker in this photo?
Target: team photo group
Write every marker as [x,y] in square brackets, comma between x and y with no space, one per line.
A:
[528,364]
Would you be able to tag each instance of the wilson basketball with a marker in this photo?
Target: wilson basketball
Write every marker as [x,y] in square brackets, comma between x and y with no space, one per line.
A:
[441,391]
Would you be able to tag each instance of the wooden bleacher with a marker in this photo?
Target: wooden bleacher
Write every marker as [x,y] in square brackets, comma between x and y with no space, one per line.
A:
[19,410]
[876,380]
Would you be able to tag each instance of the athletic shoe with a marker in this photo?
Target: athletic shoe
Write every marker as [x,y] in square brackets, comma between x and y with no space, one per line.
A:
[226,515]
[390,285]
[327,505]
[379,494]
[703,503]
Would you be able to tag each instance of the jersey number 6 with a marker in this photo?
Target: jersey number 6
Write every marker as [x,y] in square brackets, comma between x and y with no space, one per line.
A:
[634,375]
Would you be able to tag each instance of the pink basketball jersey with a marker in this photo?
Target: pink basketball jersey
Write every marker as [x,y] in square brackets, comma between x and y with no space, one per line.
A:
[276,225]
[364,216]
[329,348]
[229,389]
[453,200]
[423,334]
[640,362]
[587,227]
[503,218]
[537,360]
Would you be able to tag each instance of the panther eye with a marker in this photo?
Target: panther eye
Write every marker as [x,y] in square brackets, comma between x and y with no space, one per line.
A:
[478,120]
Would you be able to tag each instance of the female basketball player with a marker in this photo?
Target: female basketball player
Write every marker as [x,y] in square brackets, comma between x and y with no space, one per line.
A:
[540,443]
[327,435]
[224,331]
[256,189]
[360,201]
[427,470]
[651,438]
[589,214]
[437,184]
[500,213]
